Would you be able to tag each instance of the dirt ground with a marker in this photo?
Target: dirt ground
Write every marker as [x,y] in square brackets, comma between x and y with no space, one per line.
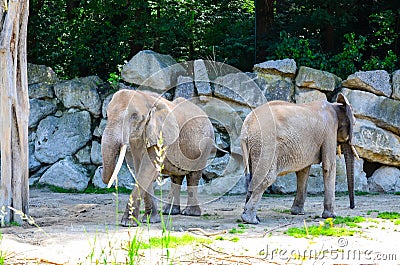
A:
[81,229]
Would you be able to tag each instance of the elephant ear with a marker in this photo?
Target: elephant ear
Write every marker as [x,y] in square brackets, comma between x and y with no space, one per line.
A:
[349,114]
[161,118]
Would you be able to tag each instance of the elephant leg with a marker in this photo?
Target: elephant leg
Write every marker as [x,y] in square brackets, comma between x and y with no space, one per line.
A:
[151,214]
[256,190]
[329,172]
[192,207]
[145,179]
[174,196]
[301,193]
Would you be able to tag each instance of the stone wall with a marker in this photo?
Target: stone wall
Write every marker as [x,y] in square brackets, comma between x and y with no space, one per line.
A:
[67,119]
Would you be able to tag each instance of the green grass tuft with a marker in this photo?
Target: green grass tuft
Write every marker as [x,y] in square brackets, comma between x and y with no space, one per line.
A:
[174,241]
[389,215]
[319,231]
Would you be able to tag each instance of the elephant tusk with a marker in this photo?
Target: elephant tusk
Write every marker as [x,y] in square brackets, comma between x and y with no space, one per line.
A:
[118,166]
[339,149]
[355,152]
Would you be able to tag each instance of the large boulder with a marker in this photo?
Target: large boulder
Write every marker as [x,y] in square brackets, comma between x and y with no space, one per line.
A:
[376,144]
[201,79]
[125,178]
[61,137]
[383,111]
[305,95]
[285,68]
[377,82]
[240,88]
[80,93]
[385,179]
[66,174]
[396,84]
[185,87]
[41,91]
[317,79]
[275,79]
[150,69]
[39,109]
[41,74]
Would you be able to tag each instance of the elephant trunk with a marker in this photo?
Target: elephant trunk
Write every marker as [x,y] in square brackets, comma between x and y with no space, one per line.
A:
[110,147]
[349,158]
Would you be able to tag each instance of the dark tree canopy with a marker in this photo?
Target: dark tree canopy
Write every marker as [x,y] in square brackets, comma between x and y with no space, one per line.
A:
[78,38]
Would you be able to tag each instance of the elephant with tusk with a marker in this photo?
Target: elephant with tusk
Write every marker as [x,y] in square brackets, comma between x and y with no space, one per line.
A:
[280,137]
[136,119]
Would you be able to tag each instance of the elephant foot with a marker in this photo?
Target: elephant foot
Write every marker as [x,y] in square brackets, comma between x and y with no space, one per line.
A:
[151,218]
[296,210]
[250,218]
[328,214]
[169,209]
[129,222]
[192,210]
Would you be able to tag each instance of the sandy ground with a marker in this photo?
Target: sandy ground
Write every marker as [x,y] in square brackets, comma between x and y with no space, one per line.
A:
[81,229]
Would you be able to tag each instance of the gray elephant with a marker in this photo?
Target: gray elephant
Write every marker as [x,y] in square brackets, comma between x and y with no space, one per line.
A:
[136,119]
[280,137]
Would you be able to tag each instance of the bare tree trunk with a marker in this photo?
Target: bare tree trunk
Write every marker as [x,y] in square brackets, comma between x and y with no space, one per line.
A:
[14,109]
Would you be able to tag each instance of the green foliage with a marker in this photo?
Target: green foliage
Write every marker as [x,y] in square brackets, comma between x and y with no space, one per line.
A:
[326,228]
[389,215]
[174,241]
[94,37]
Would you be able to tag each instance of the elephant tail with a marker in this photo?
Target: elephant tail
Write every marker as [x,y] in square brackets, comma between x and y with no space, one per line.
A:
[245,153]
[118,165]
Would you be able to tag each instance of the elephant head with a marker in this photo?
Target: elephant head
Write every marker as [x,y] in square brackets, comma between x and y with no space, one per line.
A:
[346,121]
[134,115]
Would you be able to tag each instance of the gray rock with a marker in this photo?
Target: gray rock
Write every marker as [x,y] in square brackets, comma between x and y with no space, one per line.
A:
[38,110]
[154,70]
[288,183]
[375,144]
[67,175]
[34,164]
[305,95]
[95,153]
[60,137]
[83,156]
[228,114]
[217,167]
[125,178]
[285,68]
[41,91]
[98,131]
[317,79]
[377,82]
[80,93]
[104,106]
[220,140]
[184,88]
[41,74]
[396,84]
[240,88]
[274,87]
[383,111]
[201,79]
[35,177]
[385,179]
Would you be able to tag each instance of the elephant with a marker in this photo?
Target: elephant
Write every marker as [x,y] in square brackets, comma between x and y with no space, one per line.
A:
[135,120]
[279,137]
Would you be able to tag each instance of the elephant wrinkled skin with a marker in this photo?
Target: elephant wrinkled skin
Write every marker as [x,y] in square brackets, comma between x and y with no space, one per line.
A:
[280,137]
[136,119]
